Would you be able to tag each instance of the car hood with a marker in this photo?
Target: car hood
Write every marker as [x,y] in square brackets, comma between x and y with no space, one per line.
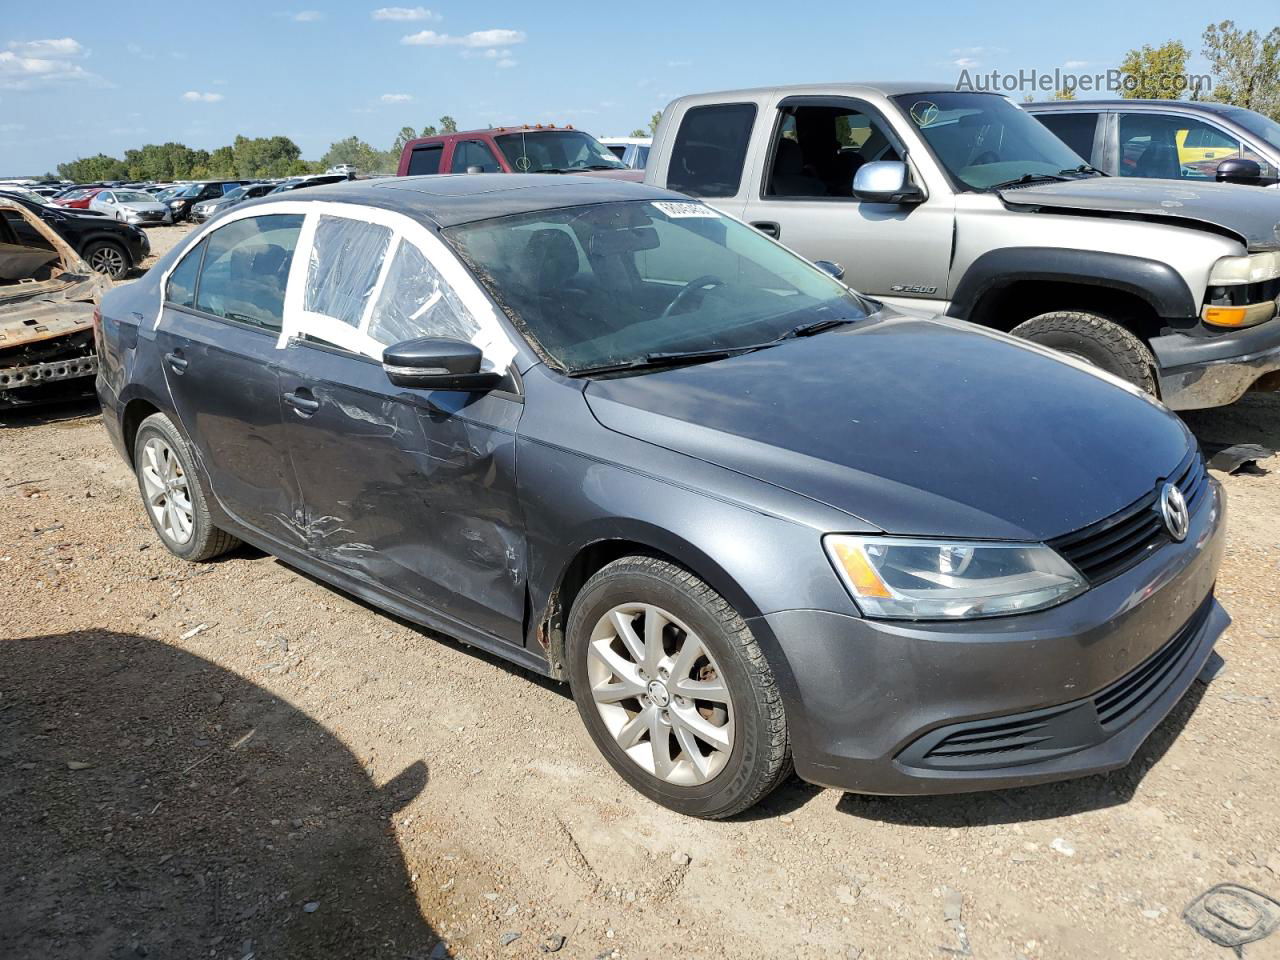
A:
[153,207]
[916,426]
[1251,215]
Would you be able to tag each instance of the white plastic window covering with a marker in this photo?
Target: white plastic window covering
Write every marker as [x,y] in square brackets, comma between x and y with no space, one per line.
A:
[488,333]
[345,264]
[416,302]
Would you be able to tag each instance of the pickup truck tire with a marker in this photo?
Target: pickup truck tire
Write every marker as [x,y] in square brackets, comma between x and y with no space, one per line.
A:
[1096,340]
[644,637]
[160,454]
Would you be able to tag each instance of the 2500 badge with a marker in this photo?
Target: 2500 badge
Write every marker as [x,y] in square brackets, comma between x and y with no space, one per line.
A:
[913,288]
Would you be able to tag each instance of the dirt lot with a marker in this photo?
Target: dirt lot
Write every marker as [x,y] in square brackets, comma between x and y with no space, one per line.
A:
[233,760]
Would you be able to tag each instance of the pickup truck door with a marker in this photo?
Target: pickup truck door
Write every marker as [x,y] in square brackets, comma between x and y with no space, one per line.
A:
[808,150]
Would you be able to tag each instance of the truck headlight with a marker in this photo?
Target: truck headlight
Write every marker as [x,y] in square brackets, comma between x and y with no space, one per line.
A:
[912,579]
[1255,268]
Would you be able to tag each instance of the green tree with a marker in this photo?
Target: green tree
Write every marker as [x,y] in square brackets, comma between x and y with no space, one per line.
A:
[404,136]
[97,167]
[265,156]
[639,132]
[448,124]
[1245,67]
[429,130]
[654,121]
[1155,73]
[1066,93]
[362,156]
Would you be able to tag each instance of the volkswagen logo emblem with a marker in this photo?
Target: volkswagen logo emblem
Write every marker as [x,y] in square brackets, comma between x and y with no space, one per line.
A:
[1173,507]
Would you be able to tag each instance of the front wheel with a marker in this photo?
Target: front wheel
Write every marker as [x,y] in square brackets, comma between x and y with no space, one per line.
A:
[103,256]
[674,690]
[1094,339]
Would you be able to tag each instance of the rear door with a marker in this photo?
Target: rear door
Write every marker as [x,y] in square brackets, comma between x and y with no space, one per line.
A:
[410,491]
[1079,130]
[802,195]
[217,336]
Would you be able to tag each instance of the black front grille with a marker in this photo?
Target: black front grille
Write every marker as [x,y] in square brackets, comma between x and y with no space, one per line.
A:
[1111,546]
[1118,703]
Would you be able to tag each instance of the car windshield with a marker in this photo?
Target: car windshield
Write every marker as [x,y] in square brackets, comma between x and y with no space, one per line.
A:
[133,196]
[1262,127]
[235,194]
[617,283]
[26,194]
[984,140]
[192,190]
[555,151]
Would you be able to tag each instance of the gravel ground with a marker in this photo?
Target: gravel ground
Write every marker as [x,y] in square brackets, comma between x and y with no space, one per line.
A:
[233,760]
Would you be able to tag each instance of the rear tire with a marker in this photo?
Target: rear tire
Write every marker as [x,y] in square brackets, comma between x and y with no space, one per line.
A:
[173,494]
[107,257]
[1096,340]
[689,672]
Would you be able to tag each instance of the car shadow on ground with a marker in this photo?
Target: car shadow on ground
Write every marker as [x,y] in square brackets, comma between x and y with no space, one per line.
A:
[155,804]
[36,415]
[1254,418]
[1022,805]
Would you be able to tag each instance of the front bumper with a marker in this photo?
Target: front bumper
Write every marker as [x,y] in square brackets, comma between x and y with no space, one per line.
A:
[1199,372]
[910,708]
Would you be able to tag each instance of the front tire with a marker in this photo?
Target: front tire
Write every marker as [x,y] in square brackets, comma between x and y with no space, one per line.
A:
[173,494]
[103,256]
[674,689]
[1096,340]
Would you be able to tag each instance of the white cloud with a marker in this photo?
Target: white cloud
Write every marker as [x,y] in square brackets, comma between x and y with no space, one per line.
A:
[195,96]
[479,38]
[965,62]
[396,97]
[405,13]
[63,47]
[507,62]
[1076,64]
[307,16]
[31,62]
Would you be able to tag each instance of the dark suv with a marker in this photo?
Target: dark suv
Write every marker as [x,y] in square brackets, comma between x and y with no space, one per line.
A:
[1168,139]
[107,245]
[180,203]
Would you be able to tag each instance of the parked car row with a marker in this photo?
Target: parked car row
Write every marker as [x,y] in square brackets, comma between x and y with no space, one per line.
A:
[108,246]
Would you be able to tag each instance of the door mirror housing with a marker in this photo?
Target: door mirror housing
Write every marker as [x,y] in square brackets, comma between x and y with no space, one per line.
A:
[830,267]
[885,181]
[438,363]
[1239,170]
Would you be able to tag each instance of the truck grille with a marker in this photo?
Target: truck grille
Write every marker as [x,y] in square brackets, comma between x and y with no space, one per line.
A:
[1111,546]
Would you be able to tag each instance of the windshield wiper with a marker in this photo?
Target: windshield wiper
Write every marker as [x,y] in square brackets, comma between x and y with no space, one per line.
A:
[1084,168]
[678,358]
[817,326]
[1029,178]
[605,166]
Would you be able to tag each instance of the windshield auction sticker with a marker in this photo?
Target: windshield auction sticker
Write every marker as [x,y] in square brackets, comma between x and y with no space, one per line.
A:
[676,209]
[924,112]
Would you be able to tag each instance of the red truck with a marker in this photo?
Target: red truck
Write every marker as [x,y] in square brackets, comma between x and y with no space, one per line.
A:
[540,148]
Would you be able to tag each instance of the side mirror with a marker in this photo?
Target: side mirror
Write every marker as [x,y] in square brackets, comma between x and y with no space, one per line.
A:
[438,363]
[830,267]
[1239,170]
[885,181]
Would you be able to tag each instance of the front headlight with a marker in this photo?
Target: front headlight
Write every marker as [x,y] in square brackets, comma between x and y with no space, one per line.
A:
[174,204]
[1255,268]
[943,580]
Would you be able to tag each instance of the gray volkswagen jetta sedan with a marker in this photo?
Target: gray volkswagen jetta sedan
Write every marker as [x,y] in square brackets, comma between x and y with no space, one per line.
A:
[753,518]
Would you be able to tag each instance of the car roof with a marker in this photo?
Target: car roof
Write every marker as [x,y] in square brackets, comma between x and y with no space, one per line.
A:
[1194,106]
[446,200]
[891,88]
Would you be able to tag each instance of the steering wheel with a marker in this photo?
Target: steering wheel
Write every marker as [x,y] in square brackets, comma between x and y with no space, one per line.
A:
[695,287]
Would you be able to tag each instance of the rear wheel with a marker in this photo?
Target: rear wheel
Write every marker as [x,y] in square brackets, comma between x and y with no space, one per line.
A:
[1094,339]
[674,689]
[107,257]
[173,494]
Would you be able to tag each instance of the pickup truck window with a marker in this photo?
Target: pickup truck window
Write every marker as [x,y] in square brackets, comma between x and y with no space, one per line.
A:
[1172,147]
[613,283]
[473,153]
[555,151]
[984,140]
[817,150]
[425,160]
[1076,130]
[710,149]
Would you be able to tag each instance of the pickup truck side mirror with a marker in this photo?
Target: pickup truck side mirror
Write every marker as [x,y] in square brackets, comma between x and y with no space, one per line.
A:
[438,363]
[885,181]
[831,268]
[1239,170]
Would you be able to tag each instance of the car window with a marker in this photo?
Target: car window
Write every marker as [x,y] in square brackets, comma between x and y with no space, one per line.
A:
[552,151]
[416,301]
[473,153]
[1172,148]
[346,260]
[710,149]
[181,288]
[107,197]
[425,160]
[817,150]
[1074,129]
[246,269]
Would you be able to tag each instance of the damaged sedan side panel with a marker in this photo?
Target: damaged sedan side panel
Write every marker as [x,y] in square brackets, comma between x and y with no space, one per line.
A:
[47,300]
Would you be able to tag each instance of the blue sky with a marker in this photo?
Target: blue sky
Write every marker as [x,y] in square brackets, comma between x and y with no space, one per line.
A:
[91,79]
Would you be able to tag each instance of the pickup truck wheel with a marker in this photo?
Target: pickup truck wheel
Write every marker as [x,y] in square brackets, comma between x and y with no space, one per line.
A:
[1096,340]
[674,689]
[107,257]
[175,499]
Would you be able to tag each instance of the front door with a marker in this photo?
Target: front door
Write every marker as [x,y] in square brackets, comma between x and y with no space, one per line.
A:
[411,491]
[217,338]
[804,198]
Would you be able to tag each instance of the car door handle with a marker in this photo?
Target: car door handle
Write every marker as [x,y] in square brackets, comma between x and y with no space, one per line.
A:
[301,401]
[768,228]
[176,363]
